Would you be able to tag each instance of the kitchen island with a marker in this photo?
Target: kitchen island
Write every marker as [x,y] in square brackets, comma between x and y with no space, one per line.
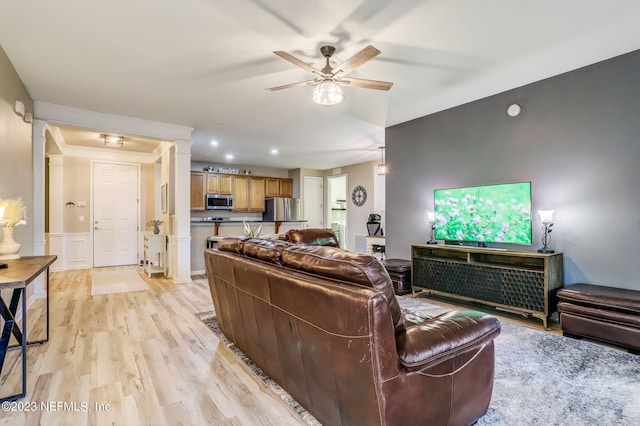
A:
[234,223]
[203,228]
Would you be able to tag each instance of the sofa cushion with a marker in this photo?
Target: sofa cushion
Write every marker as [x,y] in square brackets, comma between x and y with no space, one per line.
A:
[313,237]
[232,244]
[265,249]
[347,266]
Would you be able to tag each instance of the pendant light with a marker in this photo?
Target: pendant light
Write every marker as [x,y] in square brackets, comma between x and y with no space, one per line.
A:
[382,167]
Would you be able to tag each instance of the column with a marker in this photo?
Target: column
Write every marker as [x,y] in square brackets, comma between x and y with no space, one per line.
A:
[56,203]
[38,152]
[182,232]
[39,127]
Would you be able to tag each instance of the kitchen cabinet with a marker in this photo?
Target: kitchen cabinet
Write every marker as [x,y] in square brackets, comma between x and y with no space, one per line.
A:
[198,191]
[248,193]
[218,183]
[256,194]
[286,188]
[272,187]
[213,183]
[225,184]
[241,193]
[277,187]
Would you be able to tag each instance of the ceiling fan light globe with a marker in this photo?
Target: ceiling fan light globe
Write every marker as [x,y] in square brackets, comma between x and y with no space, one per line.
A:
[328,93]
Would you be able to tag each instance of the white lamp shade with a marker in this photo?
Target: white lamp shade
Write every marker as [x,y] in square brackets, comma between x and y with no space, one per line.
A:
[431,217]
[328,93]
[546,216]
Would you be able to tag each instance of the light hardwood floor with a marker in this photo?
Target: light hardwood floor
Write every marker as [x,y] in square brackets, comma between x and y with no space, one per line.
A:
[145,354]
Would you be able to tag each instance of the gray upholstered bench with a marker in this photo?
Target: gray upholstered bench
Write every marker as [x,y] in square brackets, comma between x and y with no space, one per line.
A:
[603,313]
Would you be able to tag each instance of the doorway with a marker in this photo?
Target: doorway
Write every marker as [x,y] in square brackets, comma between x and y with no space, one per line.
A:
[337,211]
[115,214]
[313,194]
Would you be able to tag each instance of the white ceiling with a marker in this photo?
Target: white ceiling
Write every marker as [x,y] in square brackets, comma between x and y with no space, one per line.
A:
[206,63]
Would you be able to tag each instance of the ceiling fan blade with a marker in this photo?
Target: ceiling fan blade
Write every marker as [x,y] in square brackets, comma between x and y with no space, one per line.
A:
[287,86]
[356,60]
[298,62]
[366,84]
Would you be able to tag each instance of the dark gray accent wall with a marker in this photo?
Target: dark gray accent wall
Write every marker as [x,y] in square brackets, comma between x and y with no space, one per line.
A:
[577,140]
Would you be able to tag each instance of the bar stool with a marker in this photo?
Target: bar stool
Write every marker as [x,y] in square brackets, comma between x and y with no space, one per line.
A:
[378,248]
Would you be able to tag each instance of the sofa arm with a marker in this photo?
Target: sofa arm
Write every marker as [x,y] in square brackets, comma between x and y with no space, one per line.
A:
[444,337]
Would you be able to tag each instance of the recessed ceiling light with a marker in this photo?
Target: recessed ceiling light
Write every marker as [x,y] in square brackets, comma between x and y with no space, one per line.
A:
[214,143]
[229,156]
[274,151]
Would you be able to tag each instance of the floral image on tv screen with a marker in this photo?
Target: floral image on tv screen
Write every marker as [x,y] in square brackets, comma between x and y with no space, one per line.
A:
[492,213]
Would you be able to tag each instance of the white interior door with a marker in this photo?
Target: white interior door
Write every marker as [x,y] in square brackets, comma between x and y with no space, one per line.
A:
[313,202]
[115,214]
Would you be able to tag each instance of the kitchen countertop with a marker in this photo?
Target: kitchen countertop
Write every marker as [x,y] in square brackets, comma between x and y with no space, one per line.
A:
[216,223]
[242,221]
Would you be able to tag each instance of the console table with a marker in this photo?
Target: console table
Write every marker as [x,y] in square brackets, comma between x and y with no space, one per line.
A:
[17,276]
[520,281]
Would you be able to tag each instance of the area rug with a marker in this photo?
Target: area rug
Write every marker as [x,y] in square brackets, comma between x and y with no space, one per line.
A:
[111,282]
[540,378]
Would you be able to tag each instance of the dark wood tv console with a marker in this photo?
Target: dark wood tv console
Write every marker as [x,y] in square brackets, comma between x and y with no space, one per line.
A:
[521,281]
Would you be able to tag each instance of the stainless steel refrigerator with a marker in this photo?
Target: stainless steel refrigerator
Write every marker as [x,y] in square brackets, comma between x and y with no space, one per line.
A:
[282,209]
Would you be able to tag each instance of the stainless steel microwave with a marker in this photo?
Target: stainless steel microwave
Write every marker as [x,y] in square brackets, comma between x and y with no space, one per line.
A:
[219,202]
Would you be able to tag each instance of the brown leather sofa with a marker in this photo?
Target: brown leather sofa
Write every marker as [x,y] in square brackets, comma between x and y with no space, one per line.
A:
[313,237]
[325,324]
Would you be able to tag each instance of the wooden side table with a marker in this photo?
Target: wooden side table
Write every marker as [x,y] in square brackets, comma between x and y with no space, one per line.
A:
[17,276]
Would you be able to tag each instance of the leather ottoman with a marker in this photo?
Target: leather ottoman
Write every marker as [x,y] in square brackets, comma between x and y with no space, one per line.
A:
[602,313]
[400,272]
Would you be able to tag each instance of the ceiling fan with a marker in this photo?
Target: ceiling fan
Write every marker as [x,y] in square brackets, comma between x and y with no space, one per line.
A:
[328,80]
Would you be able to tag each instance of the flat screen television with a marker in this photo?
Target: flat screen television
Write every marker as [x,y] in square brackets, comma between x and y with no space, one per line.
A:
[484,214]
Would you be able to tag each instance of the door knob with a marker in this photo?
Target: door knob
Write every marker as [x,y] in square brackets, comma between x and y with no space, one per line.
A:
[96,228]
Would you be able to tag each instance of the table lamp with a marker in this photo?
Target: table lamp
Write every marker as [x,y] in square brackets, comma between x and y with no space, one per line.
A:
[431,217]
[546,216]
